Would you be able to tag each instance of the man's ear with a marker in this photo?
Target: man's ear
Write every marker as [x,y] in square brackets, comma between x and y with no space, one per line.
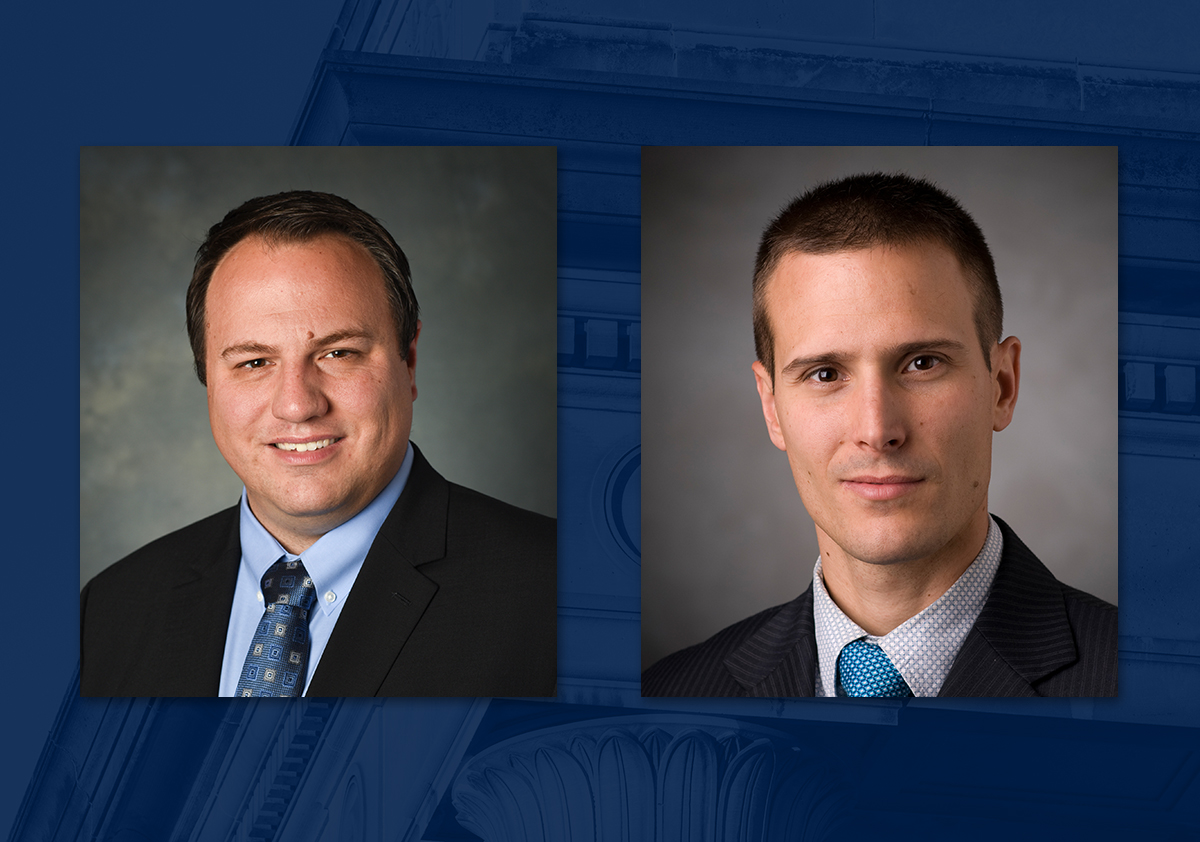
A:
[766,394]
[1006,380]
[411,360]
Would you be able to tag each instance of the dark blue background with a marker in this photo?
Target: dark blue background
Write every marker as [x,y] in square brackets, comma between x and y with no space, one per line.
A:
[226,73]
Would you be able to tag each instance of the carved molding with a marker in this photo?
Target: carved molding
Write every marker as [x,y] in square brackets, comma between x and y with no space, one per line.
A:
[649,778]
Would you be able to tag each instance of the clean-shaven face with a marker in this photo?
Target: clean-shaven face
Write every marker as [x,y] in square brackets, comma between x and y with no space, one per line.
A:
[309,398]
[882,400]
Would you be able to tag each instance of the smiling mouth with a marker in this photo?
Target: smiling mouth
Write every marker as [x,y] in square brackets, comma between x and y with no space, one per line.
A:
[303,447]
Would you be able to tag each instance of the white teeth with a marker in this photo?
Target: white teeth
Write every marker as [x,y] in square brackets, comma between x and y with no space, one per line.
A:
[306,446]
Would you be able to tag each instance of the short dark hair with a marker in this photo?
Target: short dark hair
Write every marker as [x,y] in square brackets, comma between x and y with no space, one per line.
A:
[300,216]
[875,209]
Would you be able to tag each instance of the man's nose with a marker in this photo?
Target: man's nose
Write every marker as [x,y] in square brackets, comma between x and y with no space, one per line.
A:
[298,394]
[879,417]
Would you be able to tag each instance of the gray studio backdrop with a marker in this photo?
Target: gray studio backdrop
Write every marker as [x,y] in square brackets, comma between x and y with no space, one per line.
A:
[478,226]
[724,533]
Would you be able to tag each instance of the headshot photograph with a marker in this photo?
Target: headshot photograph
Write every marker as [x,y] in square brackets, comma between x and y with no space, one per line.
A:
[318,450]
[879,441]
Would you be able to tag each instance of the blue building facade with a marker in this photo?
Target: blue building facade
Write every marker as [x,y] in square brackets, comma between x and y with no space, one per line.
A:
[599,762]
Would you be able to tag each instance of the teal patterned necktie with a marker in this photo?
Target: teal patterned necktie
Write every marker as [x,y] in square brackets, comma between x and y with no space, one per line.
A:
[864,670]
[277,662]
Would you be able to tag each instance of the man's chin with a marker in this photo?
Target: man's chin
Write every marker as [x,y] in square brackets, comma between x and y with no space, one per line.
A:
[901,540]
[887,558]
[886,545]
[310,515]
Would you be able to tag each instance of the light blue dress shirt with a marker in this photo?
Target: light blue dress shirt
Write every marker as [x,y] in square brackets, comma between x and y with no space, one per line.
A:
[332,563]
[922,648]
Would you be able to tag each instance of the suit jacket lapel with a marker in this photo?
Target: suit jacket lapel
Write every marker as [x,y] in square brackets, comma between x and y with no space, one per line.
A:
[1022,634]
[390,595]
[780,658]
[197,618]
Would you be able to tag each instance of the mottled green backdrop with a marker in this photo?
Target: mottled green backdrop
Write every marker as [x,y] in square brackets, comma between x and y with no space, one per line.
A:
[478,226]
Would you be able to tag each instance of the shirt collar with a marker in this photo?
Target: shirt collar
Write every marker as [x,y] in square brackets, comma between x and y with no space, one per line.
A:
[923,647]
[334,560]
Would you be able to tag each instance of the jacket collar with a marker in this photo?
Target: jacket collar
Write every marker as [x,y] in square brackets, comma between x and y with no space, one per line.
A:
[390,594]
[780,658]
[201,601]
[1021,636]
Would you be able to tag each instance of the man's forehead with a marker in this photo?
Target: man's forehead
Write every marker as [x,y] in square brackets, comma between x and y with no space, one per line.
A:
[257,245]
[331,282]
[322,263]
[926,275]
[895,294]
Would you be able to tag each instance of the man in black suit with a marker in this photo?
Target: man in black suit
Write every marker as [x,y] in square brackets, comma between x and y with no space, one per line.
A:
[351,567]
[882,376]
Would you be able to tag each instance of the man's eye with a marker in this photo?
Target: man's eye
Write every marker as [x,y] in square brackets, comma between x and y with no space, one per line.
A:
[825,375]
[923,363]
[339,353]
[253,364]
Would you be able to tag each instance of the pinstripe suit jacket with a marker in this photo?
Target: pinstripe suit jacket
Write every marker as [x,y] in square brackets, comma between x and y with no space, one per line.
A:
[1034,637]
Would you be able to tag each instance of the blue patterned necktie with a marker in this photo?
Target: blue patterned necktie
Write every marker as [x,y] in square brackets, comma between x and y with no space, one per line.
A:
[277,662]
[864,670]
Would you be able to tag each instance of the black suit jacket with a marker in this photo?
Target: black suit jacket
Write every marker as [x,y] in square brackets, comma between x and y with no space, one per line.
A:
[1034,637]
[456,597]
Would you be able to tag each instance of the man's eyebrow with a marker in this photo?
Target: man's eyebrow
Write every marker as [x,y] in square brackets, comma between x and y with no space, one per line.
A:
[247,349]
[344,334]
[258,349]
[800,363]
[947,346]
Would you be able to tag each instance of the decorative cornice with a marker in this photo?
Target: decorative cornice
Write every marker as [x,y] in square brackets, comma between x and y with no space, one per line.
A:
[646,778]
[784,57]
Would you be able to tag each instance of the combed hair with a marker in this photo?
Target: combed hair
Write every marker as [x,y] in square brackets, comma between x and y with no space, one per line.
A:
[877,209]
[300,216]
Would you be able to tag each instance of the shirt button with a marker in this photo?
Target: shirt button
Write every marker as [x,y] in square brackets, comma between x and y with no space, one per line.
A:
[330,596]
[259,595]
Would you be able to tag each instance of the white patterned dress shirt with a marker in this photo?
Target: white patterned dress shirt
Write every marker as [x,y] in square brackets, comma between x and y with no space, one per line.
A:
[923,647]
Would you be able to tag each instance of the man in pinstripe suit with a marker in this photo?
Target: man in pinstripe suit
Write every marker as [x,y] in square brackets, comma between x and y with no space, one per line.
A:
[883,375]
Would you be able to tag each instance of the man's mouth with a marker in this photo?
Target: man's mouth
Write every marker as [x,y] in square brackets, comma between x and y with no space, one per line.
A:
[302,447]
[880,488]
[891,479]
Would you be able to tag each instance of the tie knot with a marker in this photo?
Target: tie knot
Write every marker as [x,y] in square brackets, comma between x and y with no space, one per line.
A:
[864,670]
[288,583]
